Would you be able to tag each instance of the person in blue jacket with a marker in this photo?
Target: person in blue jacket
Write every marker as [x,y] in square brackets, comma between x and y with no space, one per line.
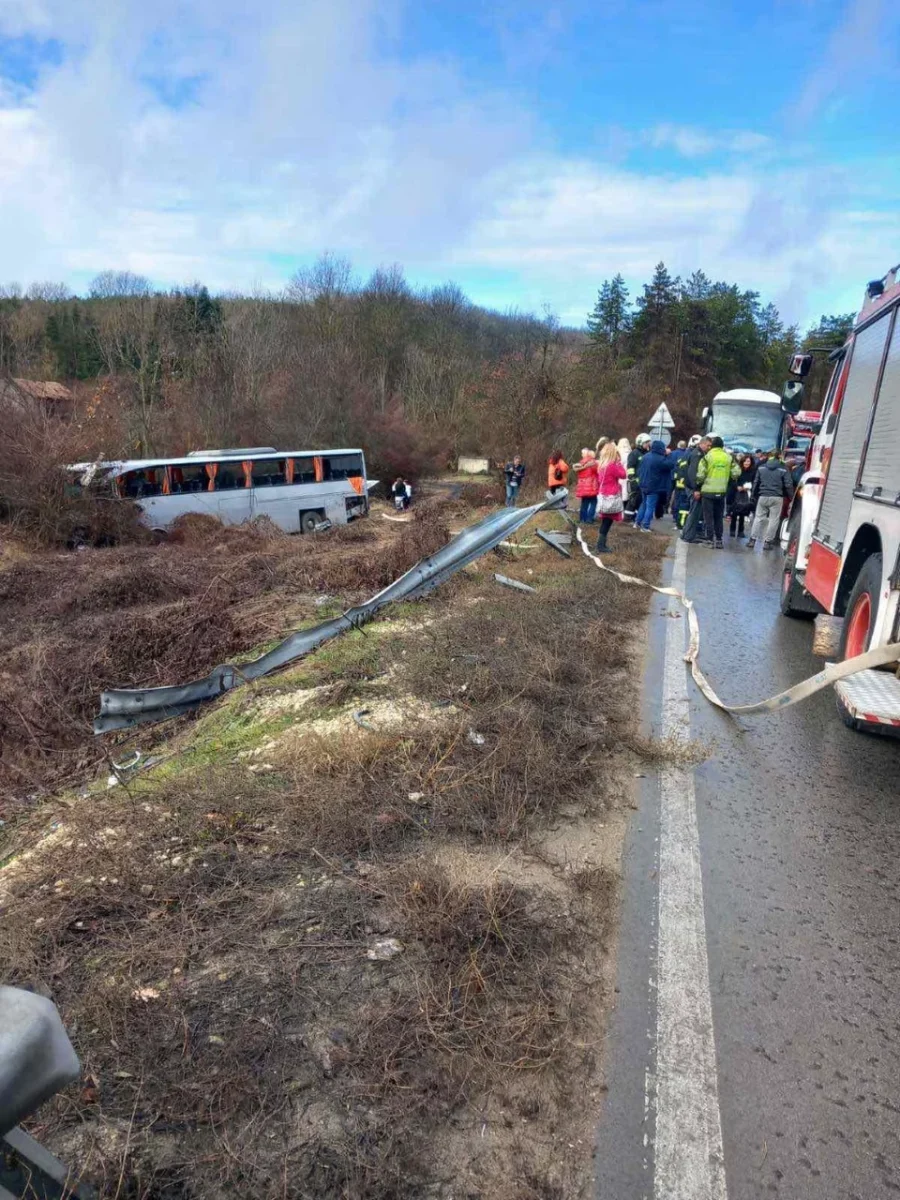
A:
[655,477]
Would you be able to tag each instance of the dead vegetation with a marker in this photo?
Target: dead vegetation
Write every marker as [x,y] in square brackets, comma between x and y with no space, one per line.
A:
[345,965]
[74,624]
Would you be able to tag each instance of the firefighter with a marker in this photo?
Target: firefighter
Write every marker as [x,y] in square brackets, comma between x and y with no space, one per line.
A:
[715,472]
[693,523]
[641,446]
[681,499]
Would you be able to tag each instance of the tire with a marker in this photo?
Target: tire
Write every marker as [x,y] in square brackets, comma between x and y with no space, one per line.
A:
[856,634]
[309,521]
[862,610]
[795,600]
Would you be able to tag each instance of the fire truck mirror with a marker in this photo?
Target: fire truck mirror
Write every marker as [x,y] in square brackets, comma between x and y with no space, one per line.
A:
[801,365]
[792,396]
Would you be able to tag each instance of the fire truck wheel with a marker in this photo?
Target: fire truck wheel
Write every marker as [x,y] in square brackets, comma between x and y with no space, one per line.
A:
[862,609]
[795,600]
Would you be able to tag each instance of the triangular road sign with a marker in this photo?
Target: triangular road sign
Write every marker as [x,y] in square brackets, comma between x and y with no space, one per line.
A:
[661,419]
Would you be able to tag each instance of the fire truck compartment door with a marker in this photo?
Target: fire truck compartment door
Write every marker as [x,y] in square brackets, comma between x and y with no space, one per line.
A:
[882,465]
[853,419]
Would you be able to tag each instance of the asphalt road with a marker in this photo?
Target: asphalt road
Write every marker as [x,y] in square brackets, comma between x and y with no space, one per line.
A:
[796,822]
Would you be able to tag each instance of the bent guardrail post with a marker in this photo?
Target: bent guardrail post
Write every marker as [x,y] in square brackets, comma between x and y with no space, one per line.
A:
[123,708]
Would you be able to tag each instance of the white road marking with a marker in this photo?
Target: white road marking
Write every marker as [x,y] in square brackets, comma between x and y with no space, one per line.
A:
[689,1160]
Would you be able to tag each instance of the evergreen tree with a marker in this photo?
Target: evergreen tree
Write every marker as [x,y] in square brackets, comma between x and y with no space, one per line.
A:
[770,325]
[698,286]
[831,331]
[655,336]
[609,321]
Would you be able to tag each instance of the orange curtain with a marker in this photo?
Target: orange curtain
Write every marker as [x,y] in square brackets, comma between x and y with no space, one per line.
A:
[247,468]
[357,483]
[319,468]
[166,482]
[212,470]
[288,470]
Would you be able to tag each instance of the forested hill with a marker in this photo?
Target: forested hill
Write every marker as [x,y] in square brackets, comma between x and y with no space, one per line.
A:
[414,376]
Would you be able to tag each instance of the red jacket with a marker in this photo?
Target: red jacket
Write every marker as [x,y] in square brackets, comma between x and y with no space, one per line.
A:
[609,476]
[588,480]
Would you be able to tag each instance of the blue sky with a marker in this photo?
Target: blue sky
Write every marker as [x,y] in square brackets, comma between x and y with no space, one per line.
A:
[526,150]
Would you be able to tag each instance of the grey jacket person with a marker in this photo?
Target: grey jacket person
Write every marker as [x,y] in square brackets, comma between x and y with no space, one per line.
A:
[773,479]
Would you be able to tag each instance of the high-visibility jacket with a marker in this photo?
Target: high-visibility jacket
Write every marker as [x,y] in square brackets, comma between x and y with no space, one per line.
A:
[716,470]
[679,474]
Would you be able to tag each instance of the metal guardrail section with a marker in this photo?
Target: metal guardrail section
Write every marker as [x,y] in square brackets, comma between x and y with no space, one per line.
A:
[123,708]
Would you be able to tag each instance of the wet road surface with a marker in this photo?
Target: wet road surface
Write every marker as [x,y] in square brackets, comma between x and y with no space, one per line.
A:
[798,841]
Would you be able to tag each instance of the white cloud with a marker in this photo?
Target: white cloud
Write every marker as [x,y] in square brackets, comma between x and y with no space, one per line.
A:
[566,225]
[303,130]
[698,143]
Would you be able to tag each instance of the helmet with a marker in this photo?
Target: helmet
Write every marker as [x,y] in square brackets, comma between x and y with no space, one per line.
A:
[643,439]
[695,440]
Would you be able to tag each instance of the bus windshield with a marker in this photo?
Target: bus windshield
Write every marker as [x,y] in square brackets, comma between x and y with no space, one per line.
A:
[747,427]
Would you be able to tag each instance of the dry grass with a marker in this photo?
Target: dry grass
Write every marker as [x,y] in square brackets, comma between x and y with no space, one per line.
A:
[205,930]
[74,624]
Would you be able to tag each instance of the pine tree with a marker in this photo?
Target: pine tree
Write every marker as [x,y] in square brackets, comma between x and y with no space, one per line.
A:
[698,286]
[610,319]
[770,325]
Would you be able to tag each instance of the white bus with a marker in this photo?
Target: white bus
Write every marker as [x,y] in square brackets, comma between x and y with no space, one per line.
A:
[746,419]
[295,489]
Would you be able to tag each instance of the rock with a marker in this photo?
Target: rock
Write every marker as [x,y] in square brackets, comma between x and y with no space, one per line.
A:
[384,949]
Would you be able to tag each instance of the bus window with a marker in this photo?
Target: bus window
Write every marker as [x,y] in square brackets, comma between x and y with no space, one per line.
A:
[142,483]
[192,477]
[342,466]
[304,470]
[229,477]
[269,472]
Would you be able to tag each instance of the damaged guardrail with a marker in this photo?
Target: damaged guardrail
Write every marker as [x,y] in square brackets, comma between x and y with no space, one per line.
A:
[123,708]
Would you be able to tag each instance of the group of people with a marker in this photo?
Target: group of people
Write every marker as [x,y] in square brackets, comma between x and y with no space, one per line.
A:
[401,491]
[745,487]
[699,482]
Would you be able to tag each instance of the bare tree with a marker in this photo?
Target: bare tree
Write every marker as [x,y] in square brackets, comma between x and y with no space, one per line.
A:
[48,291]
[110,285]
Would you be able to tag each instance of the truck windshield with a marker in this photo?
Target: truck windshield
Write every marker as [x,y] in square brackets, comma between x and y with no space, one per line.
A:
[747,427]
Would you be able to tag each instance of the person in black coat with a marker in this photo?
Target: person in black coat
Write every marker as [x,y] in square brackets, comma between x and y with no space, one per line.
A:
[740,496]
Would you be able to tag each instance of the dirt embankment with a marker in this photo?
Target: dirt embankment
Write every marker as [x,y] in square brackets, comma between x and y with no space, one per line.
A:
[353,937]
[72,624]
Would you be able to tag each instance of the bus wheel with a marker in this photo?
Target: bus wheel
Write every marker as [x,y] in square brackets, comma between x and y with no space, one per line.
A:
[795,600]
[158,536]
[309,521]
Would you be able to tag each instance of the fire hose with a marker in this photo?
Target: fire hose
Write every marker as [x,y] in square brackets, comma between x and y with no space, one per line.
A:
[830,674]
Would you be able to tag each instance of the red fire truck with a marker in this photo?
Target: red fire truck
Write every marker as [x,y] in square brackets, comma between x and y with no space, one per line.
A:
[799,433]
[842,535]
